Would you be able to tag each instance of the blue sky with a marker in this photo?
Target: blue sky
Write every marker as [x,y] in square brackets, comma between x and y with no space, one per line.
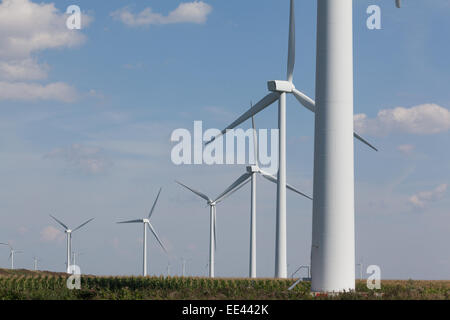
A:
[87,117]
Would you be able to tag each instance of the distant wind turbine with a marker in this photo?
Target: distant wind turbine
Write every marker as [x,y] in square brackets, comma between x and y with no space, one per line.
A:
[146,222]
[252,172]
[36,260]
[212,213]
[183,266]
[69,232]
[12,252]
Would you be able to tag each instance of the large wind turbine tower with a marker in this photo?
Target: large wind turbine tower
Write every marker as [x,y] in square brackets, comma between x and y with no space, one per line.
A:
[333,238]
[333,232]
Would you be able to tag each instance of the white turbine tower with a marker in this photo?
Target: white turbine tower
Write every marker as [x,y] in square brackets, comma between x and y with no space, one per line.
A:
[168,269]
[212,213]
[279,89]
[69,232]
[250,175]
[36,260]
[146,223]
[333,232]
[183,266]
[12,252]
[74,257]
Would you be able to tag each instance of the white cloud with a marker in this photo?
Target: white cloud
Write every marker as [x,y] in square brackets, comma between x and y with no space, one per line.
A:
[87,159]
[219,112]
[421,199]
[27,69]
[136,148]
[189,12]
[22,91]
[23,230]
[96,94]
[422,119]
[133,66]
[25,29]
[406,148]
[51,234]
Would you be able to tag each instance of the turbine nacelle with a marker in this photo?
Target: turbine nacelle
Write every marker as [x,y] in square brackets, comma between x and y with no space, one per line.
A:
[253,169]
[280,86]
[145,220]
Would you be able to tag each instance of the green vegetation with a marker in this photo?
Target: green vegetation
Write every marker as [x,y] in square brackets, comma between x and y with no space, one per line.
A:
[26,285]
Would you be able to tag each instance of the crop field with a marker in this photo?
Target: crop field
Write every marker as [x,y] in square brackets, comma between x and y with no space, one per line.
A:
[28,285]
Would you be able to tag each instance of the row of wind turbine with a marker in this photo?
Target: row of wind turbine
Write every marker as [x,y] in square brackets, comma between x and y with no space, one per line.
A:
[278,91]
[250,175]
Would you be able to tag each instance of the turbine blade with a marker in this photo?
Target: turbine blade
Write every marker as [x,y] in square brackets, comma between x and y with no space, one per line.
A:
[62,224]
[255,142]
[82,225]
[288,186]
[357,136]
[157,237]
[261,105]
[291,54]
[310,104]
[131,221]
[154,204]
[235,190]
[306,101]
[234,185]
[398,3]
[201,195]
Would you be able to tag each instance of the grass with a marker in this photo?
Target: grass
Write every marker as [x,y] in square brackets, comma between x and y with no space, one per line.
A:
[29,285]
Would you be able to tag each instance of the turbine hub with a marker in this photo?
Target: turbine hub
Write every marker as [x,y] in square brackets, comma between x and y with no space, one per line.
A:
[280,86]
[146,221]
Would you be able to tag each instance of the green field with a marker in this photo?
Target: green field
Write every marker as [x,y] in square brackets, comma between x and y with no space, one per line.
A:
[29,285]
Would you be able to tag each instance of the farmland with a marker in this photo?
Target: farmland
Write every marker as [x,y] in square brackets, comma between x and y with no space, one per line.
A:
[28,285]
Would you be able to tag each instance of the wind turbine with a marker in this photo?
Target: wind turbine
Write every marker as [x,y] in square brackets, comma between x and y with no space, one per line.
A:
[12,252]
[279,89]
[183,266]
[146,223]
[36,260]
[212,213]
[69,232]
[251,174]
